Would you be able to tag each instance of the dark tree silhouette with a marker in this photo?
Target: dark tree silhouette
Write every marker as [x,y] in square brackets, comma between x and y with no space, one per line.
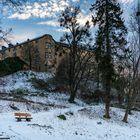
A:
[110,40]
[134,62]
[78,39]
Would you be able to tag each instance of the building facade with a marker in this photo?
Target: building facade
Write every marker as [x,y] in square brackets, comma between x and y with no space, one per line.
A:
[41,54]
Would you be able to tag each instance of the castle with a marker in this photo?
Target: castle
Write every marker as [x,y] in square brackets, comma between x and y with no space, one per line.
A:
[41,54]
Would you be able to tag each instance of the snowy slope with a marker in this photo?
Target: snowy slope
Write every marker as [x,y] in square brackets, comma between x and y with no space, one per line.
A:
[83,122]
[21,80]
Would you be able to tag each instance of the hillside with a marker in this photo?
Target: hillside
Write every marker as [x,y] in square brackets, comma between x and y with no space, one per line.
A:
[83,122]
[21,80]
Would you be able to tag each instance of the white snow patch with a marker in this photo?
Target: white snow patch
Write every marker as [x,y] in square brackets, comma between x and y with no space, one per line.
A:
[21,80]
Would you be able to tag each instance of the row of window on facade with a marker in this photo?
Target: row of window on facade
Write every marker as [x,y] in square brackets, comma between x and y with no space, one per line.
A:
[48,55]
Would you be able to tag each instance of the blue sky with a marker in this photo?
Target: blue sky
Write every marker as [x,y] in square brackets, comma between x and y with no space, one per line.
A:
[38,18]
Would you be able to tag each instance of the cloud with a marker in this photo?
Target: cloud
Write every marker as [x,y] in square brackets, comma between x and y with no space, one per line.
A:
[22,16]
[50,23]
[49,8]
[62,30]
[18,38]
[75,0]
[82,18]
[41,10]
[126,1]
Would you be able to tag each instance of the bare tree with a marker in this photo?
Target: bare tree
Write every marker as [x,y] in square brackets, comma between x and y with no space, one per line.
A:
[134,80]
[4,34]
[31,55]
[79,43]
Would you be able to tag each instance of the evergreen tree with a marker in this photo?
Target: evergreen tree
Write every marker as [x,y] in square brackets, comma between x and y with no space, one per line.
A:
[110,40]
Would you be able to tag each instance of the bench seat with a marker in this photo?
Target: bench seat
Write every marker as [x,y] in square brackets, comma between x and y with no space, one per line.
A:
[4,138]
[21,116]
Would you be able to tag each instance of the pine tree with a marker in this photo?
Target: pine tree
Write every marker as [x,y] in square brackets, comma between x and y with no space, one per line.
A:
[110,40]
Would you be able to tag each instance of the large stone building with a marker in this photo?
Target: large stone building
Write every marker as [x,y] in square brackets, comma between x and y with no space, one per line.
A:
[41,54]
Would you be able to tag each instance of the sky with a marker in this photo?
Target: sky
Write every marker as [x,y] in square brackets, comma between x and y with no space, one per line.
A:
[38,18]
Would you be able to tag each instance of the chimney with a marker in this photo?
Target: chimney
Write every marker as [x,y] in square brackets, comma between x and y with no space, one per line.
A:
[3,47]
[10,45]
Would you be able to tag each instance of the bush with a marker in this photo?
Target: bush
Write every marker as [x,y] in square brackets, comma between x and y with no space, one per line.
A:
[18,93]
[62,117]
[14,107]
[40,84]
[62,71]
[11,65]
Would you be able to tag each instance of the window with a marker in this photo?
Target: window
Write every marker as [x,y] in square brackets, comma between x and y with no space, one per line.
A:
[15,54]
[60,54]
[36,41]
[39,68]
[48,45]
[14,48]
[47,55]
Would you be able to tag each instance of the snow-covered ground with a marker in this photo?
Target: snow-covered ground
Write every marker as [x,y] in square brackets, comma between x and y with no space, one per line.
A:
[21,80]
[83,122]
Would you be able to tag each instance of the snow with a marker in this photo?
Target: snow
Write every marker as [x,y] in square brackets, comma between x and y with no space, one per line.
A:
[21,80]
[86,123]
[83,122]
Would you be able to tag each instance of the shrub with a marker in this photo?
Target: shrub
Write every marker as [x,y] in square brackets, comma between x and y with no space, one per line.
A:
[11,65]
[14,107]
[18,93]
[40,84]
[62,117]
[62,71]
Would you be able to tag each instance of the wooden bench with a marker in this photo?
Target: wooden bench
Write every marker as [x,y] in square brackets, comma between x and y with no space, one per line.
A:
[22,116]
[4,138]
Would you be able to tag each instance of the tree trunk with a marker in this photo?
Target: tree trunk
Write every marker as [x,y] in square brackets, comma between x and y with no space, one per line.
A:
[131,103]
[107,110]
[98,77]
[108,65]
[127,112]
[72,96]
[30,59]
[120,99]
[126,116]
[107,100]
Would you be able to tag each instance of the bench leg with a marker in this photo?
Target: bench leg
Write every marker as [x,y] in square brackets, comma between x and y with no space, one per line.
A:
[28,119]
[18,119]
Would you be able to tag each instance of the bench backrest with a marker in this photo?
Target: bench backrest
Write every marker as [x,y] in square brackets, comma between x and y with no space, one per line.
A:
[22,114]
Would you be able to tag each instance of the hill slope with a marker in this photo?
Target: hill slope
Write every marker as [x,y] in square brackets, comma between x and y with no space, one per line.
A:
[83,122]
